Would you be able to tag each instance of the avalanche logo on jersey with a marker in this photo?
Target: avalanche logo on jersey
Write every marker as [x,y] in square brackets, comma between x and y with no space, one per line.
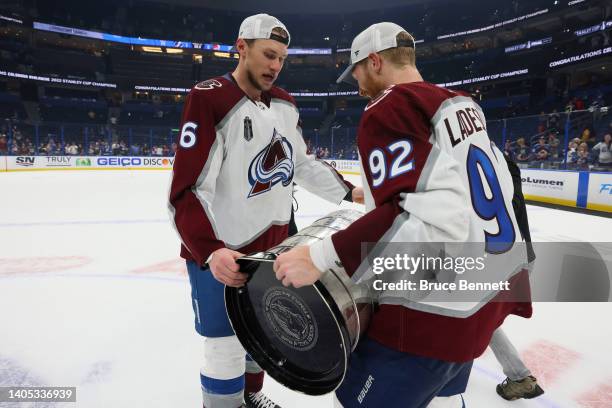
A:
[271,166]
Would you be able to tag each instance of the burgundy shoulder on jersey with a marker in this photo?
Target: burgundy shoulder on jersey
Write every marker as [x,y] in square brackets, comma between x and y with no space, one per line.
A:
[394,125]
[218,94]
[279,93]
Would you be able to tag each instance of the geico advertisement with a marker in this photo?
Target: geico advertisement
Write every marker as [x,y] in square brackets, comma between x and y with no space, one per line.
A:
[143,162]
[600,192]
[551,184]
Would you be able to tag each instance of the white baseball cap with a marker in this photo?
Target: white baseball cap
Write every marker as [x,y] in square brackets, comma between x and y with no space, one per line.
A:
[377,37]
[260,26]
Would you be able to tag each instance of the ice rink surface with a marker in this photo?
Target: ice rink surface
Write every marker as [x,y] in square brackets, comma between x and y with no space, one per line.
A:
[93,295]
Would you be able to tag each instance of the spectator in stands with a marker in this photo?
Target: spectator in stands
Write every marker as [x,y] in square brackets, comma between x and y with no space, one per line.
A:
[145,150]
[308,147]
[72,149]
[572,153]
[522,150]
[541,150]
[553,144]
[583,156]
[123,148]
[135,150]
[17,135]
[3,144]
[51,147]
[587,137]
[578,103]
[509,150]
[553,121]
[174,147]
[105,148]
[603,152]
[28,148]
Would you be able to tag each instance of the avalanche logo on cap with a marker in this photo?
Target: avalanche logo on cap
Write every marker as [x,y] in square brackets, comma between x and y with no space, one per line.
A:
[271,166]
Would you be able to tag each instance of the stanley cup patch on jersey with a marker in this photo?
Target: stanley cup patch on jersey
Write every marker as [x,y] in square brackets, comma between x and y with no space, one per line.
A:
[271,166]
[248,129]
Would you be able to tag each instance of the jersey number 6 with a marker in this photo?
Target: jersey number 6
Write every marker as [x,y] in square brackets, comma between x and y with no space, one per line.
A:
[188,135]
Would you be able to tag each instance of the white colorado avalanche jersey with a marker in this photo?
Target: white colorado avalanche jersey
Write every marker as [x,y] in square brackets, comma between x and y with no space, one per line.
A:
[235,166]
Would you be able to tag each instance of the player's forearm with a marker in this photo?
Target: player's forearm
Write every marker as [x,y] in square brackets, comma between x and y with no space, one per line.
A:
[345,248]
[321,179]
[194,227]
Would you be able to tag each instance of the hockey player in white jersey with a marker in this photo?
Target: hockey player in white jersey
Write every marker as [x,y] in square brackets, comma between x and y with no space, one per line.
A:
[239,153]
[430,174]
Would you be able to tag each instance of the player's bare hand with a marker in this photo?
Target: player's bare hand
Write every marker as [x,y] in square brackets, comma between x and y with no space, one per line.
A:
[295,268]
[358,195]
[224,268]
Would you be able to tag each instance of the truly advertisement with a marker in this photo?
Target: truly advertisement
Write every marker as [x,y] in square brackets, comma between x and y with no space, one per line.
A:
[599,196]
[554,187]
[57,161]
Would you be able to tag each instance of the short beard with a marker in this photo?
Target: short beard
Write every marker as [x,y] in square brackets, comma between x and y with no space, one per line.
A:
[253,81]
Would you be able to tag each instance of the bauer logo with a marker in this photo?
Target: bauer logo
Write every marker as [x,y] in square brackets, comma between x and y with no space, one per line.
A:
[119,161]
[25,161]
[365,389]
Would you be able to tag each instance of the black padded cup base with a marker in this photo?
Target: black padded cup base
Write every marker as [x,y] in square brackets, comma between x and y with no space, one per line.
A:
[296,335]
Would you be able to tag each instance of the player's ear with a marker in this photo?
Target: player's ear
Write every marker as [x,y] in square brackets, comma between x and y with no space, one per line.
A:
[241,47]
[375,60]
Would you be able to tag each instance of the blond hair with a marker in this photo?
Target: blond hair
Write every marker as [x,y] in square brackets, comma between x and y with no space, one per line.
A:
[401,56]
